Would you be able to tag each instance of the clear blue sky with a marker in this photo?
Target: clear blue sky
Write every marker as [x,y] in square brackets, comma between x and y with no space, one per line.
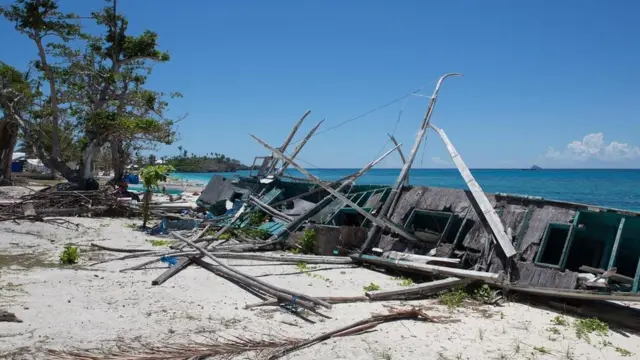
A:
[538,75]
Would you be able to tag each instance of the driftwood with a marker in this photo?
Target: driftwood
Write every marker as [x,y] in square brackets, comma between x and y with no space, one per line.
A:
[497,279]
[245,278]
[391,201]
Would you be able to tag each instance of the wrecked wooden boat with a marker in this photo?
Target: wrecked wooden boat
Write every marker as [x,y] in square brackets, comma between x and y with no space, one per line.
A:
[522,243]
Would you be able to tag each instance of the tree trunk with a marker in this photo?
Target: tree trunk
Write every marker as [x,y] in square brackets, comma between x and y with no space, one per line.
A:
[146,201]
[53,96]
[8,139]
[117,159]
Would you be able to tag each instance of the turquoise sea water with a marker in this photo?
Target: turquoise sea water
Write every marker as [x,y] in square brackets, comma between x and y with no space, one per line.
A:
[604,187]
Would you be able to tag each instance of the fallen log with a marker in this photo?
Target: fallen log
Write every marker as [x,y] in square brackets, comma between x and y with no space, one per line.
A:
[239,274]
[497,279]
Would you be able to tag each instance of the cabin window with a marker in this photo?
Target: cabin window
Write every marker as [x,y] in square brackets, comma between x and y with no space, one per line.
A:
[552,245]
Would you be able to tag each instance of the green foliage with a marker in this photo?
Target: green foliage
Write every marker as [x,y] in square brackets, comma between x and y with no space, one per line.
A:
[542,349]
[69,255]
[307,241]
[153,174]
[160,242]
[554,330]
[405,281]
[302,266]
[585,327]
[453,299]
[623,352]
[257,218]
[560,321]
[372,287]
[483,294]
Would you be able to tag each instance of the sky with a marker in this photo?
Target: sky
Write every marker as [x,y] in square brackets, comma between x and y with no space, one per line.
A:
[551,83]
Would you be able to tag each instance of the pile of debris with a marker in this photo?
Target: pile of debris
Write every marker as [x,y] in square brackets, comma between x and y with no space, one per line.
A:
[50,202]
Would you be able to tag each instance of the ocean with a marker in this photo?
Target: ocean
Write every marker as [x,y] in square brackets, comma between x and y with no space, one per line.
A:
[603,187]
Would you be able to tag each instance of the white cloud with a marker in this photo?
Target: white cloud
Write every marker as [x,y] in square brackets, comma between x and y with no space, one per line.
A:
[593,146]
[440,161]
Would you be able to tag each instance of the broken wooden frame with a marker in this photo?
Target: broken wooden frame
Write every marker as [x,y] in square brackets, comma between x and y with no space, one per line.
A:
[382,222]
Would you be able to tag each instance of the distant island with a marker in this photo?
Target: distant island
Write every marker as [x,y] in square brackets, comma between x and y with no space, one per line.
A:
[535,167]
[212,162]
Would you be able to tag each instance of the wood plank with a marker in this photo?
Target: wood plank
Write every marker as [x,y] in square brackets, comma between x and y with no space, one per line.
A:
[420,290]
[616,244]
[481,199]
[497,279]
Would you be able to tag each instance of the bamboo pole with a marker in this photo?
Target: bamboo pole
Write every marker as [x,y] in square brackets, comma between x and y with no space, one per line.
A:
[489,213]
[184,263]
[250,284]
[284,146]
[387,210]
[404,160]
[252,278]
[299,147]
[382,222]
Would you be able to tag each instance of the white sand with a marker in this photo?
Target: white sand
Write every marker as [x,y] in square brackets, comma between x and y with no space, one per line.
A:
[87,308]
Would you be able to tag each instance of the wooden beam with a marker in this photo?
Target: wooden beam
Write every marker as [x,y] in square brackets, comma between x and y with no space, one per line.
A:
[269,210]
[299,148]
[395,255]
[616,244]
[379,221]
[615,277]
[392,199]
[636,279]
[250,279]
[491,278]
[564,257]
[489,213]
[417,291]
[284,146]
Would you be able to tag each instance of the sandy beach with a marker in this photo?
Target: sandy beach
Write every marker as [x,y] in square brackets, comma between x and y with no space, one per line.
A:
[98,306]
